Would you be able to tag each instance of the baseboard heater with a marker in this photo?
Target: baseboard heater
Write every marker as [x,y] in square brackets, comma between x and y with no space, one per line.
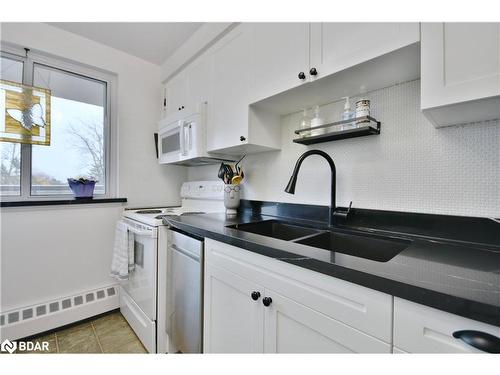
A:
[31,320]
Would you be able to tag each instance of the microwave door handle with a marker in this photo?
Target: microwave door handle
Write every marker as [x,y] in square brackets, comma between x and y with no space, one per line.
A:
[186,139]
[190,137]
[182,138]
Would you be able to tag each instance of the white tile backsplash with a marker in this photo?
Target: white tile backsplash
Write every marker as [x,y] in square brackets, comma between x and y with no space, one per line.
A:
[410,166]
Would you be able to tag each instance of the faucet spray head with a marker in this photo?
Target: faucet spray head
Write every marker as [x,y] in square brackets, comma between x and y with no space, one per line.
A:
[290,188]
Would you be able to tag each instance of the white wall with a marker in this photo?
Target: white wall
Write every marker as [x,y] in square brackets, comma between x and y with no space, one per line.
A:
[411,166]
[54,252]
[48,253]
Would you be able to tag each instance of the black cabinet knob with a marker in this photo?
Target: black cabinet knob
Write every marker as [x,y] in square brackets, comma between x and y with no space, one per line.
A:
[182,107]
[313,72]
[242,139]
[255,295]
[302,75]
[179,108]
[479,340]
[267,301]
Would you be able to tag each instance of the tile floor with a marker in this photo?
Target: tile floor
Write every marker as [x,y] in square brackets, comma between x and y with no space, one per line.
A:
[106,334]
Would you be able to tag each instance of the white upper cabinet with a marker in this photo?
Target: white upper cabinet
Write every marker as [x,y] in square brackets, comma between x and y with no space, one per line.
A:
[190,88]
[281,54]
[336,46]
[232,84]
[175,94]
[198,83]
[260,62]
[460,72]
[234,127]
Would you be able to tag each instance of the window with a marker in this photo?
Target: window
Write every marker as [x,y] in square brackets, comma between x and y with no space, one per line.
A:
[10,167]
[80,131]
[78,106]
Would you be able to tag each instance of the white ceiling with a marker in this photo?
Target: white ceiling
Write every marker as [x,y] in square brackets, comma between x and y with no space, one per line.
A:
[152,41]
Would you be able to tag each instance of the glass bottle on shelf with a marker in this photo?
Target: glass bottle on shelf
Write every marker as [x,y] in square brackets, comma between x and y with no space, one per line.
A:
[305,123]
[317,121]
[347,114]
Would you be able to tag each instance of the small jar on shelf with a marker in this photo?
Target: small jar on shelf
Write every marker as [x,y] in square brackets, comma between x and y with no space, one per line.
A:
[362,110]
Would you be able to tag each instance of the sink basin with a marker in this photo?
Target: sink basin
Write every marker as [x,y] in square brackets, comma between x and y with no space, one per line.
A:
[380,249]
[276,229]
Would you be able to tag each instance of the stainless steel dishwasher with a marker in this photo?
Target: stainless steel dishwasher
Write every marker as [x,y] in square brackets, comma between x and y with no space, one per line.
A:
[185,286]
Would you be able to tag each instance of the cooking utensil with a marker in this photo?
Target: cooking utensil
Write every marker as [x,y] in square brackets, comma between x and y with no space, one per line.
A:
[222,172]
[228,171]
[236,179]
[238,162]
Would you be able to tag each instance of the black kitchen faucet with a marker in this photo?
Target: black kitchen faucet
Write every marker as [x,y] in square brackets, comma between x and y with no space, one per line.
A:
[290,188]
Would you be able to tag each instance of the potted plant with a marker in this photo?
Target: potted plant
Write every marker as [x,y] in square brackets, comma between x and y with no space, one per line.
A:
[82,187]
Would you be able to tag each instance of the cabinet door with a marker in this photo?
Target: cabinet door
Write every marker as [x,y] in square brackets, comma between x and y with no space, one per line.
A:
[232,61]
[233,321]
[291,327]
[281,53]
[198,83]
[339,45]
[176,93]
[422,329]
[460,62]
[364,309]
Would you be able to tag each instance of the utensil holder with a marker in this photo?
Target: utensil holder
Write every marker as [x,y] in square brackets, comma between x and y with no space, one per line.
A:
[232,198]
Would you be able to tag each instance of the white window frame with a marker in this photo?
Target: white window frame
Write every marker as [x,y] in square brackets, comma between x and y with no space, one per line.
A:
[110,120]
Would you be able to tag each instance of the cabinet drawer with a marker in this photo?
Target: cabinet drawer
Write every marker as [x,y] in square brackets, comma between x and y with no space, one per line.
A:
[364,309]
[422,329]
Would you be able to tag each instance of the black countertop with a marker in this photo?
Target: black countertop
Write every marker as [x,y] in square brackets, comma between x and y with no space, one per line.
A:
[456,276]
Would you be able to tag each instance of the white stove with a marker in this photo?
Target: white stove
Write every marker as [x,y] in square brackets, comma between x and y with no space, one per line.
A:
[143,297]
[197,197]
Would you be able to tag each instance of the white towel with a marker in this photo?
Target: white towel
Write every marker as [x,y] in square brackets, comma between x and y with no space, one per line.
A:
[123,252]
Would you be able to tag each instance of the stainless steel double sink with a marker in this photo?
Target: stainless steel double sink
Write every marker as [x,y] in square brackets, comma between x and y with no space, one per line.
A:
[364,245]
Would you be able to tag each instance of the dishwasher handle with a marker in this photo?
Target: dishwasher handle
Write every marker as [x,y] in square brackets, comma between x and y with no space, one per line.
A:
[185,252]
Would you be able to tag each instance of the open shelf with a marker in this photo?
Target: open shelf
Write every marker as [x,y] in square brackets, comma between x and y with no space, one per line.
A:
[369,128]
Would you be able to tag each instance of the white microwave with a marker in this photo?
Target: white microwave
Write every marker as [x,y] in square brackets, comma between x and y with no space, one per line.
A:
[182,140]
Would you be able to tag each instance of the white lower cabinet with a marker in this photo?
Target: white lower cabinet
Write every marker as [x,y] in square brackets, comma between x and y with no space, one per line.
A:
[257,304]
[233,321]
[290,327]
[422,329]
[295,311]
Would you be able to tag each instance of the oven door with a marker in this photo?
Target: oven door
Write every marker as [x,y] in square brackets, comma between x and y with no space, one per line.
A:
[171,142]
[141,284]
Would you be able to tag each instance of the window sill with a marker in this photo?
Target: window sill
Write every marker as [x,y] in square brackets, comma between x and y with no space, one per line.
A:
[59,202]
